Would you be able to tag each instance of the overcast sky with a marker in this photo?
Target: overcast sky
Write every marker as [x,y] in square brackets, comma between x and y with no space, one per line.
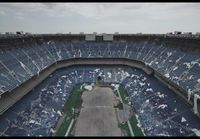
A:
[99,17]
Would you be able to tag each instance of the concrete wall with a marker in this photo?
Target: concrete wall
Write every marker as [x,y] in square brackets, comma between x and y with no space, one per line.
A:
[10,98]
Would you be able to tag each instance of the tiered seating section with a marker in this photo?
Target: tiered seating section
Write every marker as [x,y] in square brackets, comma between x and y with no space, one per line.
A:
[158,109]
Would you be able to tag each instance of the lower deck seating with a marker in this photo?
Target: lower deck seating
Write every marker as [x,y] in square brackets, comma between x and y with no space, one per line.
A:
[159,110]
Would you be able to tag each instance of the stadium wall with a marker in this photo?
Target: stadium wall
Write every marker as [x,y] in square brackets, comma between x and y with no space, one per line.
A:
[15,41]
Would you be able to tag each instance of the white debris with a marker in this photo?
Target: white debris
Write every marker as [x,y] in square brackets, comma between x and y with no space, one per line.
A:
[160,95]
[161,134]
[58,112]
[116,86]
[195,103]
[101,73]
[126,98]
[147,101]
[53,110]
[127,85]
[109,75]
[169,54]
[132,75]
[179,59]
[190,77]
[31,121]
[142,84]
[175,78]
[181,131]
[197,132]
[144,79]
[127,74]
[44,89]
[134,92]
[52,131]
[82,86]
[139,124]
[189,94]
[88,87]
[37,123]
[183,119]
[40,105]
[198,80]
[49,92]
[64,76]
[96,70]
[194,62]
[48,42]
[187,64]
[58,53]
[69,81]
[149,89]
[150,63]
[175,109]
[162,106]
[167,75]
[44,111]
[175,68]
[124,75]
[80,54]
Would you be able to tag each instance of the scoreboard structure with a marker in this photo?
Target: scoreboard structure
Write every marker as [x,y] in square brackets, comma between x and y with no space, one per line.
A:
[108,37]
[90,37]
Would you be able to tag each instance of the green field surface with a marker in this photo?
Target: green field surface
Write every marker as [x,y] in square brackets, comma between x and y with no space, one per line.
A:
[133,121]
[68,112]
[74,101]
[123,94]
[124,126]
[136,130]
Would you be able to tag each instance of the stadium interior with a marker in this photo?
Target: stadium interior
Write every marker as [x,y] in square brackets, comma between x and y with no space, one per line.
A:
[160,74]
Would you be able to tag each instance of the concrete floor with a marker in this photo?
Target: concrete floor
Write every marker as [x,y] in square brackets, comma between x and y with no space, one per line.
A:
[98,116]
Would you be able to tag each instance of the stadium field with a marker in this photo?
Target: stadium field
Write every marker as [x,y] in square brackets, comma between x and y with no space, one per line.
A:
[68,112]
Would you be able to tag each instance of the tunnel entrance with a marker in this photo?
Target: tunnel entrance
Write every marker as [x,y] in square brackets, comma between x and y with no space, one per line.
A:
[99,80]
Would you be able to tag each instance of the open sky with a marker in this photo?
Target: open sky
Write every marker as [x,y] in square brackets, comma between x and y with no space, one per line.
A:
[99,17]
